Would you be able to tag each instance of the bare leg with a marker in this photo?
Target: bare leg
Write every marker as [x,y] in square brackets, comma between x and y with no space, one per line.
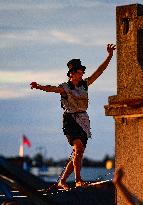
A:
[68,170]
[74,165]
[77,161]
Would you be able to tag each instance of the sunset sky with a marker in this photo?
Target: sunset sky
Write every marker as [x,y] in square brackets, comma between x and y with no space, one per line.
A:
[37,39]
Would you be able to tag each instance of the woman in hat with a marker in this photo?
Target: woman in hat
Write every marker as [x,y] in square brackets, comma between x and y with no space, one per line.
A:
[74,101]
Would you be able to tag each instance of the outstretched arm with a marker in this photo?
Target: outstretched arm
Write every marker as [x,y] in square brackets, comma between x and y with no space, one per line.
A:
[47,88]
[103,66]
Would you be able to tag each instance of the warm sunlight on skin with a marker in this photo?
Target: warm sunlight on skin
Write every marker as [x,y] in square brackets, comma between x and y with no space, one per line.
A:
[77,76]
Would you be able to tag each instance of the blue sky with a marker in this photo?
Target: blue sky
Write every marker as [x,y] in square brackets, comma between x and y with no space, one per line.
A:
[37,39]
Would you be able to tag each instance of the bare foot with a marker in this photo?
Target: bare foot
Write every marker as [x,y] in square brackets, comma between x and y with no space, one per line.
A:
[62,185]
[81,184]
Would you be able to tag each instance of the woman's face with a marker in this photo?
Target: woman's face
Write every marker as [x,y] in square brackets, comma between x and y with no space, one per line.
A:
[77,75]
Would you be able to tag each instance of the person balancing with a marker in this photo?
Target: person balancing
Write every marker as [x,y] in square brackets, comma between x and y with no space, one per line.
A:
[74,101]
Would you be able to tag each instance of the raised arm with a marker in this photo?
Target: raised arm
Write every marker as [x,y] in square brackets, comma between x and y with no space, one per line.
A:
[103,66]
[47,88]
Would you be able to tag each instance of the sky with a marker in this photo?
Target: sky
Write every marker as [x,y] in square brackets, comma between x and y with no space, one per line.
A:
[37,39]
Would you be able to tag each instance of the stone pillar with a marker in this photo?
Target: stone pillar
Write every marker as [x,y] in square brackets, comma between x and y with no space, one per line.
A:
[127,106]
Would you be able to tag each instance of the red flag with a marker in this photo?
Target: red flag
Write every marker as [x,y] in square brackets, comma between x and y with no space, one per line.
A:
[26,141]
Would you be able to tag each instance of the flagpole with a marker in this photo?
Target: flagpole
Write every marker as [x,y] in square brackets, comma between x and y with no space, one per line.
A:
[21,148]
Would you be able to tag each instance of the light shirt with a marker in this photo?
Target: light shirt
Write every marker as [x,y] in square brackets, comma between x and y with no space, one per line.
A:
[76,103]
[76,99]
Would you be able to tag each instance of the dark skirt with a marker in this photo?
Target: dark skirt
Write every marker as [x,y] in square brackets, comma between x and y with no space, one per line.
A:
[73,130]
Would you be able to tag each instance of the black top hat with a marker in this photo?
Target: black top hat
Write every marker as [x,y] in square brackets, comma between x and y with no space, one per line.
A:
[74,65]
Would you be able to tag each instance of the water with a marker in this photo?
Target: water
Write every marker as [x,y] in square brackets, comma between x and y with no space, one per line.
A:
[87,173]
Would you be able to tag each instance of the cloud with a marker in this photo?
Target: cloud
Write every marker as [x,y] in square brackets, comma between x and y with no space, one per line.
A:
[113,2]
[66,37]
[10,93]
[81,31]
[12,39]
[49,5]
[58,4]
[29,5]
[52,76]
[16,84]
[27,24]
[93,36]
[15,39]
[31,30]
